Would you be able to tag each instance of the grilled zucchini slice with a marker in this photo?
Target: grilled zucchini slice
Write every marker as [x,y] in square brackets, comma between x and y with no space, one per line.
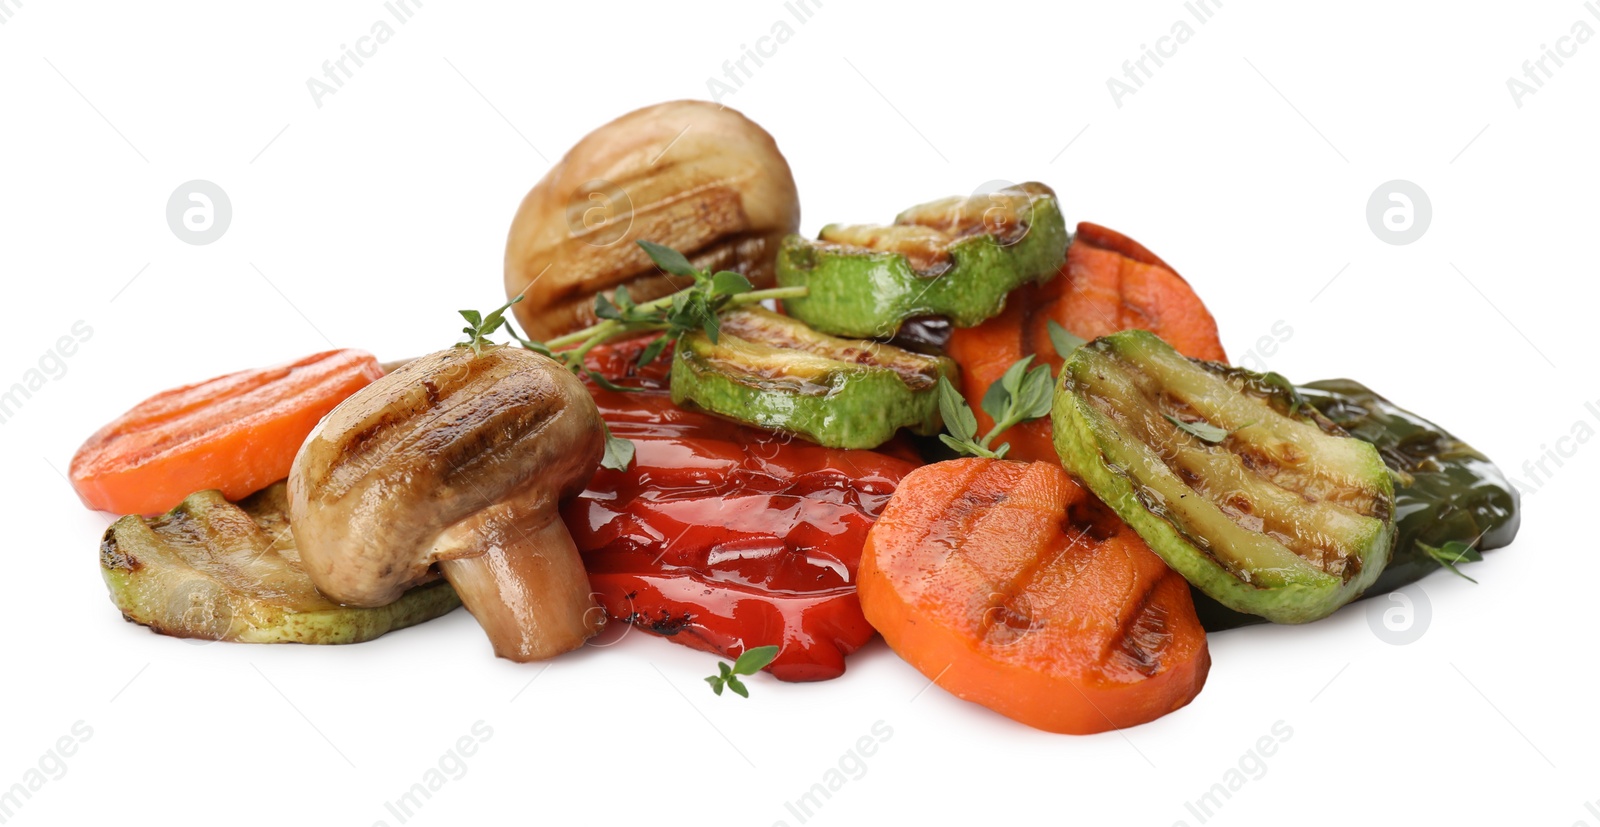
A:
[1253,496]
[775,372]
[215,570]
[955,258]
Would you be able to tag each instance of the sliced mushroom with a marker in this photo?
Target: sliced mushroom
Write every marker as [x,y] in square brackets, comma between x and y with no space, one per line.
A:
[457,460]
[702,179]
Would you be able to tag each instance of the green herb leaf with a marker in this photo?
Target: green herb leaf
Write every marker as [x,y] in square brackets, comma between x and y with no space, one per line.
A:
[692,309]
[480,327]
[998,399]
[653,350]
[1458,552]
[754,660]
[729,283]
[1023,393]
[1204,431]
[960,446]
[958,418]
[1280,383]
[619,451]
[750,662]
[669,259]
[1062,340]
[605,308]
[1036,395]
[1452,554]
[1013,377]
[493,321]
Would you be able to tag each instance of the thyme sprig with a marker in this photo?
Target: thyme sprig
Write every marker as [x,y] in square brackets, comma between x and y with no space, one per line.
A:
[1020,395]
[697,307]
[749,663]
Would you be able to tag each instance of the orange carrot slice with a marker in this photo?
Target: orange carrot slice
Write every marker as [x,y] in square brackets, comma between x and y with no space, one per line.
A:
[1109,283]
[1011,586]
[237,433]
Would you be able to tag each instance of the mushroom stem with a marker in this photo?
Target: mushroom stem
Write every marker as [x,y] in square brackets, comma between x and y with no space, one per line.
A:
[530,593]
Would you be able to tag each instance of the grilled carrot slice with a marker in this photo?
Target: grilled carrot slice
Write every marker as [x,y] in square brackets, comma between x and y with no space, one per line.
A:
[237,433]
[1109,283]
[1011,586]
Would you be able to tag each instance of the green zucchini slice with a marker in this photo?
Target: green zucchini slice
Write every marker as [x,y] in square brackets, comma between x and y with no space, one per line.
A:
[1444,489]
[775,372]
[1262,503]
[955,258]
[215,570]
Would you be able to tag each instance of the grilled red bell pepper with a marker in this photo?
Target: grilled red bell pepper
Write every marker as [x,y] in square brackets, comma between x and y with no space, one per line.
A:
[723,537]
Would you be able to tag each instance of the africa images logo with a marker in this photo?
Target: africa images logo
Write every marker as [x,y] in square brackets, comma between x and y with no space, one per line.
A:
[1535,71]
[1136,71]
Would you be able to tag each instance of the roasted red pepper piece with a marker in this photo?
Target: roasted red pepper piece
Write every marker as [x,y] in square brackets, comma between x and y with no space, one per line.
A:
[723,537]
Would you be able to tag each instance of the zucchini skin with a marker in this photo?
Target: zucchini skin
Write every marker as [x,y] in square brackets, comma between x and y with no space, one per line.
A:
[1089,443]
[845,404]
[214,570]
[870,293]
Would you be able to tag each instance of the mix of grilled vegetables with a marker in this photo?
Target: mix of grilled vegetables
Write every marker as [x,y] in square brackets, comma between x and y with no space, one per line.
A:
[1263,504]
[1124,489]
[955,258]
[216,570]
[774,372]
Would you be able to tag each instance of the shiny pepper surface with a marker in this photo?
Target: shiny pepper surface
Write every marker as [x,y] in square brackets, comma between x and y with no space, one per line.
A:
[723,537]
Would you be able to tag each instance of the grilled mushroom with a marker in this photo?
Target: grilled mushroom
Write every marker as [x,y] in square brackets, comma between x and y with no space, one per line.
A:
[699,178]
[456,461]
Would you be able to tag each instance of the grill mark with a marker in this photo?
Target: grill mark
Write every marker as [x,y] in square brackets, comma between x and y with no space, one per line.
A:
[483,442]
[1142,635]
[1008,619]
[743,252]
[1091,518]
[112,556]
[393,431]
[915,370]
[1232,503]
[966,512]
[975,504]
[1017,586]
[197,415]
[390,419]
[712,212]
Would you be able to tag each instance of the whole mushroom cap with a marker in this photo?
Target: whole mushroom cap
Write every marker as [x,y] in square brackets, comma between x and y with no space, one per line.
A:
[702,179]
[451,457]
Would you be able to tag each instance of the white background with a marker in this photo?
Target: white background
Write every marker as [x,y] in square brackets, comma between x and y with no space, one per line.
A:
[1246,161]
